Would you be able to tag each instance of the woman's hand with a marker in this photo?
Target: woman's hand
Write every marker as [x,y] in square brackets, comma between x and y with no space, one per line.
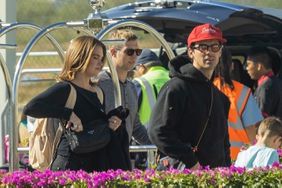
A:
[114,122]
[196,166]
[74,123]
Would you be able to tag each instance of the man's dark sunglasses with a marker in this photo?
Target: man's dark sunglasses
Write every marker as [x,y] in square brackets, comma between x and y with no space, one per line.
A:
[130,51]
[205,47]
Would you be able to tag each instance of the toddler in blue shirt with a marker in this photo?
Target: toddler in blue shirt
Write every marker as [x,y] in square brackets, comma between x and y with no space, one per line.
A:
[264,152]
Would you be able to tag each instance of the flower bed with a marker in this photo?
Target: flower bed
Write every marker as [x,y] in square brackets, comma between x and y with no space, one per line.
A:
[219,177]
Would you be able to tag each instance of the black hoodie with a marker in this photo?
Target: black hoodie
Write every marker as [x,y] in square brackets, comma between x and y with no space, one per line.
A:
[180,113]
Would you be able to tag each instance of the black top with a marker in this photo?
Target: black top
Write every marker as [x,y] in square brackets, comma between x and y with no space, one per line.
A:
[269,96]
[51,103]
[180,113]
[88,108]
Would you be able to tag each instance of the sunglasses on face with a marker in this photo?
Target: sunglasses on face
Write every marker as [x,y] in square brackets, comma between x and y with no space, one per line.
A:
[130,51]
[206,47]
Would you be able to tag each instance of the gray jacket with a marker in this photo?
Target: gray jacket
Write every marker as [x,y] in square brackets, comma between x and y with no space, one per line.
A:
[129,100]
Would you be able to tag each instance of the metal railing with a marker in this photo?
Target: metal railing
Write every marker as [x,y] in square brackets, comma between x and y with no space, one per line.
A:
[5,109]
[151,151]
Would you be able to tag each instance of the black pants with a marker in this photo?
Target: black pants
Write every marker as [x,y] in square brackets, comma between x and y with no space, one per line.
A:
[114,156]
[60,163]
[89,162]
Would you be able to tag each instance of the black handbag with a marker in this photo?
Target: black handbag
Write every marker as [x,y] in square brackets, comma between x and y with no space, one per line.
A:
[94,137]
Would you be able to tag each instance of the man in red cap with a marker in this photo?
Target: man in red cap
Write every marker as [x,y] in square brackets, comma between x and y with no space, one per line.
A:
[189,120]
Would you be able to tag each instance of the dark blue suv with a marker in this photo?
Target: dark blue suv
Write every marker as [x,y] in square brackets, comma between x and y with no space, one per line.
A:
[243,26]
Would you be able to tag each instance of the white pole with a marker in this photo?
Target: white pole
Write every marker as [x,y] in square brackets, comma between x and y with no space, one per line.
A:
[7,15]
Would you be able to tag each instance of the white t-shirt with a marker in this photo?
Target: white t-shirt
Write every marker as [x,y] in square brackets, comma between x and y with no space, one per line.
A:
[257,156]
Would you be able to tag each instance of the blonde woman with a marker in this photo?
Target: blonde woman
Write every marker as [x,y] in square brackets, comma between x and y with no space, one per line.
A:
[84,59]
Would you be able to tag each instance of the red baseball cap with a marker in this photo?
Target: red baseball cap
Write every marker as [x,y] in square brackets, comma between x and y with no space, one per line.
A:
[205,32]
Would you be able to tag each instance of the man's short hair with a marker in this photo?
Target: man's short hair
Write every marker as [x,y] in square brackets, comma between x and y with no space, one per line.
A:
[272,126]
[125,34]
[122,34]
[261,54]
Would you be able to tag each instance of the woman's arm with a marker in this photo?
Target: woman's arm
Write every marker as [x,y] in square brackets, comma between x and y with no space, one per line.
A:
[50,103]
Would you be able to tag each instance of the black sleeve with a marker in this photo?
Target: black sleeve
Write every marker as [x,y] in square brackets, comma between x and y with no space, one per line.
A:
[164,124]
[269,97]
[50,103]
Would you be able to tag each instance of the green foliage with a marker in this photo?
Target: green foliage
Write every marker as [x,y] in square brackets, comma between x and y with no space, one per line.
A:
[258,3]
[43,12]
[47,12]
[114,3]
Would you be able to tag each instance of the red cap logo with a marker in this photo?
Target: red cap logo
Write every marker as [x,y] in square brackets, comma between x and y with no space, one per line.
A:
[205,32]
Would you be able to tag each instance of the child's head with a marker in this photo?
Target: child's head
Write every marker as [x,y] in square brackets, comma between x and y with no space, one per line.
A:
[270,132]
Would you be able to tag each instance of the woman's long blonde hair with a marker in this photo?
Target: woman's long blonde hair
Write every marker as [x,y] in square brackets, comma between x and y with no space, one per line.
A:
[78,56]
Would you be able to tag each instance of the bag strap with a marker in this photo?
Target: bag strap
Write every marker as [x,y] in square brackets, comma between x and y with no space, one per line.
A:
[99,94]
[195,148]
[72,98]
[69,104]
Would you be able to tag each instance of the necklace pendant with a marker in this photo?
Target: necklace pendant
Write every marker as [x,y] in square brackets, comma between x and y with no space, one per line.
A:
[195,149]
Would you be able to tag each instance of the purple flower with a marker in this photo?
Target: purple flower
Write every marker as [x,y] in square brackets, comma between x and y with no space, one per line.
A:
[279,152]
[218,177]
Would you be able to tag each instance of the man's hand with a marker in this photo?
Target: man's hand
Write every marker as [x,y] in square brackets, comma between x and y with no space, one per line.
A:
[114,122]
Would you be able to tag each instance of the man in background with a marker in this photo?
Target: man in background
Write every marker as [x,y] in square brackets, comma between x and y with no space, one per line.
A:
[269,87]
[150,76]
[244,114]
[124,58]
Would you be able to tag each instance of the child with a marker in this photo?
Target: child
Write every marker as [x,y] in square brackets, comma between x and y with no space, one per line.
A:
[264,152]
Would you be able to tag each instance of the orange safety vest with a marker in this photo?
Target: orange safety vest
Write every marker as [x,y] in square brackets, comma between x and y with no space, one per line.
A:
[238,99]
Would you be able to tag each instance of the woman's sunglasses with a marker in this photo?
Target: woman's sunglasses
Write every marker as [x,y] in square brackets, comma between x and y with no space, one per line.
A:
[130,51]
